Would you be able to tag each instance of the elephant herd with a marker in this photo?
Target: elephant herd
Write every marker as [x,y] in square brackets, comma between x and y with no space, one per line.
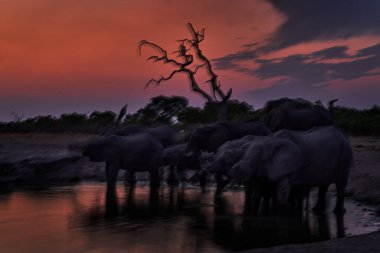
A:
[294,147]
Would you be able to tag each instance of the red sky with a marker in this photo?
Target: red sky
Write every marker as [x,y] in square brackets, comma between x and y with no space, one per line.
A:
[65,56]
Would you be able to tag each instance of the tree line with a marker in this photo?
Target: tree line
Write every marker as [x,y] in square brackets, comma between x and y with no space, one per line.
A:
[175,110]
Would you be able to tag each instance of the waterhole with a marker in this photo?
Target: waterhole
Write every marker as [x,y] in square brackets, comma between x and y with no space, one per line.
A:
[82,219]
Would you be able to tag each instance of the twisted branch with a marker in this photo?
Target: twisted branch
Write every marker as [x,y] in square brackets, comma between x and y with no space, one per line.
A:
[197,38]
[198,67]
[158,82]
[156,58]
[186,45]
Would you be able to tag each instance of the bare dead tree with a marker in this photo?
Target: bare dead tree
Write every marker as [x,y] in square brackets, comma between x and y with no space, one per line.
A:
[189,48]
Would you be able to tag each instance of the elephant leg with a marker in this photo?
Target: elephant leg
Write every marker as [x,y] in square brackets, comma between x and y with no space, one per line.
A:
[112,207]
[298,205]
[202,179]
[173,175]
[321,203]
[307,195]
[130,177]
[266,199]
[275,204]
[340,191]
[220,182]
[182,173]
[256,201]
[111,174]
[154,176]
[283,190]
[248,198]
[340,225]
[299,193]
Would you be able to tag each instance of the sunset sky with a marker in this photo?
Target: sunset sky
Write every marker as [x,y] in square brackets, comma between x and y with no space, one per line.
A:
[81,55]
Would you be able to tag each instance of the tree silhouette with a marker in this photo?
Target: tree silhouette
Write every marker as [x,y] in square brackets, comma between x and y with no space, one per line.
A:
[189,48]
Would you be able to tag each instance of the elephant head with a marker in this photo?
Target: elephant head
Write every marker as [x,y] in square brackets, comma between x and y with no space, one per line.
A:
[207,138]
[99,150]
[223,161]
[272,160]
[228,154]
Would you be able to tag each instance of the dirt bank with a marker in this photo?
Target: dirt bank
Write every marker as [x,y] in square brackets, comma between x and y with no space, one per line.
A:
[364,180]
[355,244]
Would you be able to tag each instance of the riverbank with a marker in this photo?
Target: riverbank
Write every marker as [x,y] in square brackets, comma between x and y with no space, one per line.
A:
[367,243]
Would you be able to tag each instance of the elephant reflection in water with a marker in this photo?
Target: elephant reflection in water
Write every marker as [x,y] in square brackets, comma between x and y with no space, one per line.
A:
[200,218]
[234,233]
[139,207]
[148,203]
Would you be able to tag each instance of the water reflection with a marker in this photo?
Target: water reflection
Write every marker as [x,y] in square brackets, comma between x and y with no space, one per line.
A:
[85,218]
[203,219]
[249,232]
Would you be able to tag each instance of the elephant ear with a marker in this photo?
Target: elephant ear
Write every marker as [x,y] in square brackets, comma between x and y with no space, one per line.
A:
[281,158]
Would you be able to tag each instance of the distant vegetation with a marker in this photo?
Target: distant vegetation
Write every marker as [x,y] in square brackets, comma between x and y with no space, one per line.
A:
[358,122]
[175,110]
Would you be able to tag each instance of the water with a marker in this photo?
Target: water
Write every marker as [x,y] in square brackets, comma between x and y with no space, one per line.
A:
[81,219]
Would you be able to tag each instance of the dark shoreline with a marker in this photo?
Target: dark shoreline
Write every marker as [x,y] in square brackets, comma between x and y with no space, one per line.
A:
[366,243]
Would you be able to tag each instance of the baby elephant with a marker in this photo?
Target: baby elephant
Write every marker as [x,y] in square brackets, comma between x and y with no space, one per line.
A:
[140,152]
[174,157]
[226,156]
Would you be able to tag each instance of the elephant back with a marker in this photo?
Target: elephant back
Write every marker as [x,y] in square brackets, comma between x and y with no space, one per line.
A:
[165,134]
[296,115]
[296,103]
[209,137]
[240,129]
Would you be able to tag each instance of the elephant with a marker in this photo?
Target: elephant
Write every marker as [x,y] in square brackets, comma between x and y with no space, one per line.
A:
[296,103]
[226,156]
[314,158]
[328,157]
[265,162]
[165,134]
[210,137]
[174,157]
[139,152]
[295,114]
